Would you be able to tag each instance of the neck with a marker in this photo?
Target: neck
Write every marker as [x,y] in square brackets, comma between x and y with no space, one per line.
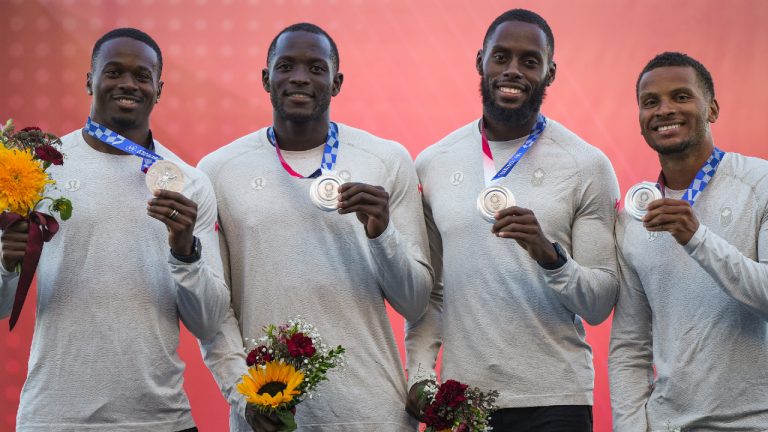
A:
[139,135]
[300,136]
[505,131]
[680,169]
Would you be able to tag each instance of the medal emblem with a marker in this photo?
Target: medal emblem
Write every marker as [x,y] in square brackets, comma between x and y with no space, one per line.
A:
[165,175]
[492,200]
[324,192]
[638,197]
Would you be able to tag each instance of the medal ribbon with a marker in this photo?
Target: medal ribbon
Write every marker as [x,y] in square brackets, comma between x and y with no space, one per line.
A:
[110,137]
[330,153]
[489,167]
[702,179]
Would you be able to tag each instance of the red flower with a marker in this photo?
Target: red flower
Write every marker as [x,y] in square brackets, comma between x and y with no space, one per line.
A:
[451,394]
[300,345]
[258,355]
[48,153]
[433,419]
[30,129]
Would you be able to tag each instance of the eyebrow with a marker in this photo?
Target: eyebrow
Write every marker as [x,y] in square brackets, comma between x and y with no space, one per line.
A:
[121,64]
[674,90]
[310,59]
[526,53]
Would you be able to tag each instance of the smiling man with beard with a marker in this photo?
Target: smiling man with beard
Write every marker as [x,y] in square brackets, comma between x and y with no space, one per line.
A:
[297,243]
[523,256]
[689,342]
[110,293]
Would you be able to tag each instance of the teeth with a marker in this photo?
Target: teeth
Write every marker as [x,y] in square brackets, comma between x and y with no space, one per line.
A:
[510,90]
[126,101]
[299,95]
[668,127]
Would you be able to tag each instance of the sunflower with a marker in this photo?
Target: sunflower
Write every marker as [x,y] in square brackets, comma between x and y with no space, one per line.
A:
[271,385]
[22,181]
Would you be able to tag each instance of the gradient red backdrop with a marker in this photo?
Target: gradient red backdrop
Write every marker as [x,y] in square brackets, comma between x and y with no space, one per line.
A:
[409,76]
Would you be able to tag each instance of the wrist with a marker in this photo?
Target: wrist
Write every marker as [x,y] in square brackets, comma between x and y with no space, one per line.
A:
[193,253]
[555,261]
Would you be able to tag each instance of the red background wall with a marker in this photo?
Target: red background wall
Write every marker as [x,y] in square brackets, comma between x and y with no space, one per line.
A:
[409,76]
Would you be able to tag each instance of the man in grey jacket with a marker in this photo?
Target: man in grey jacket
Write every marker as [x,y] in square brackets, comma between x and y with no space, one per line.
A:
[115,281]
[514,279]
[694,289]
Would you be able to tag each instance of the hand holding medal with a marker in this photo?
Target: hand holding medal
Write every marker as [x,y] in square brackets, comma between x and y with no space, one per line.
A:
[645,201]
[370,203]
[521,225]
[179,214]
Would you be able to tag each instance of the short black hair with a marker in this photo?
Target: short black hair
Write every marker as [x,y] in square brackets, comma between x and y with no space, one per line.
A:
[129,33]
[526,16]
[309,28]
[677,59]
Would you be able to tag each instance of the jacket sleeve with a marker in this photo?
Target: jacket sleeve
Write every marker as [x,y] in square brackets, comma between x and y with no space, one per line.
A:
[399,254]
[587,284]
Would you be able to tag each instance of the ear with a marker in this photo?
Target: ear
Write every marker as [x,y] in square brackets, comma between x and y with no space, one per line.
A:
[89,83]
[479,62]
[714,111]
[338,79]
[551,72]
[265,79]
[159,90]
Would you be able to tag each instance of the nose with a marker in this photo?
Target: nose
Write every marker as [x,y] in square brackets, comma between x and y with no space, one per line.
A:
[128,82]
[512,70]
[299,75]
[666,107]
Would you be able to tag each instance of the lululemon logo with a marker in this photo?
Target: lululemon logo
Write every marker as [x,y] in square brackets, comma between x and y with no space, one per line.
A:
[258,183]
[538,177]
[457,178]
[72,185]
[726,216]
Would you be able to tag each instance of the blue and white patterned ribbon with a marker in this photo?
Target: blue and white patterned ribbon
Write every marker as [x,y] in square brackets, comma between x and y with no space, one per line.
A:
[702,179]
[330,153]
[110,137]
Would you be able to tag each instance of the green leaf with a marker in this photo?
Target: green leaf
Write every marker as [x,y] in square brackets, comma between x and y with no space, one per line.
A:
[63,206]
[289,422]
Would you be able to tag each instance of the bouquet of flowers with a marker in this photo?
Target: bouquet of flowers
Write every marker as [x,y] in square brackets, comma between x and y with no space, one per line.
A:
[24,158]
[456,407]
[285,367]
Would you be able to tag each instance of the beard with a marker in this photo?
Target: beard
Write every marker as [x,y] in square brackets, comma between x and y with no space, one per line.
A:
[684,146]
[318,111]
[515,116]
[124,123]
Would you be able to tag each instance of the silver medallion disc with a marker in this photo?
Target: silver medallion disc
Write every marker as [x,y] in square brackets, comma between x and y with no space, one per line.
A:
[639,196]
[165,175]
[324,192]
[492,199]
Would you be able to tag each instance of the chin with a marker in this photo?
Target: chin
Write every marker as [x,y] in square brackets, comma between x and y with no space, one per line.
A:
[673,148]
[124,122]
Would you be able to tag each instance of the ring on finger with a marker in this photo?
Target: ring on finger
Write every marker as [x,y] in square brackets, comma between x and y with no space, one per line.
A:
[173,214]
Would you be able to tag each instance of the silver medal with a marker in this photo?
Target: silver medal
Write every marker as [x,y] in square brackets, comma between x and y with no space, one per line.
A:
[639,196]
[324,192]
[493,199]
[165,175]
